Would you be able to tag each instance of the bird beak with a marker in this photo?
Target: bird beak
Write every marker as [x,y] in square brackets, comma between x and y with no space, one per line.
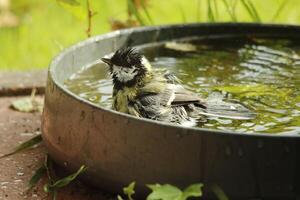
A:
[107,61]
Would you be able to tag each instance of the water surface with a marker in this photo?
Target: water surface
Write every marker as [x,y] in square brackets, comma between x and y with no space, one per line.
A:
[263,74]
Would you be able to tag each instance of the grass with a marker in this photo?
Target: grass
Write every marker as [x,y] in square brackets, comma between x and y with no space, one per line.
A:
[47,28]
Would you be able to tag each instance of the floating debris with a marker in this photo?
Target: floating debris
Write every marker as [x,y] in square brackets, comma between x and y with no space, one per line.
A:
[185,47]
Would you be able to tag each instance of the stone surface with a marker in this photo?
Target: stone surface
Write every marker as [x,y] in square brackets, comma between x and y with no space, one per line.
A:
[22,83]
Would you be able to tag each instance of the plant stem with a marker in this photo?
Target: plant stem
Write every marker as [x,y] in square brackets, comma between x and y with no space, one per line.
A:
[89,16]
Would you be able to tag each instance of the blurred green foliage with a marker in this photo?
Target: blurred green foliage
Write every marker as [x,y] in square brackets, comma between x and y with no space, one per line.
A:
[46,27]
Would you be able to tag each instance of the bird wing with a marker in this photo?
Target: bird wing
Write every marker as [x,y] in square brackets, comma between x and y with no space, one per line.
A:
[168,94]
[184,97]
[219,108]
[157,98]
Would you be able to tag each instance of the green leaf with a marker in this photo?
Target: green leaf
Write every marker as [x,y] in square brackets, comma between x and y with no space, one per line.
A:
[217,190]
[254,11]
[28,105]
[230,8]
[26,145]
[48,164]
[280,9]
[64,181]
[210,13]
[194,190]
[147,12]
[129,190]
[39,173]
[216,10]
[46,188]
[250,8]
[164,192]
[119,197]
[31,104]
[54,195]
[170,192]
[135,12]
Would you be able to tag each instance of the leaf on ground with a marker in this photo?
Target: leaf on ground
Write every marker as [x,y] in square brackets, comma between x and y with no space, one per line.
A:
[28,105]
[39,173]
[184,47]
[119,197]
[170,192]
[164,192]
[194,190]
[129,190]
[64,181]
[26,145]
[217,190]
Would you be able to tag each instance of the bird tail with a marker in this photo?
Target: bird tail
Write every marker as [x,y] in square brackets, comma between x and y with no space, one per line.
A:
[227,110]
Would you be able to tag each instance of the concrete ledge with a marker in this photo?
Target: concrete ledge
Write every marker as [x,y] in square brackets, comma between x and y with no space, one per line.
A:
[22,83]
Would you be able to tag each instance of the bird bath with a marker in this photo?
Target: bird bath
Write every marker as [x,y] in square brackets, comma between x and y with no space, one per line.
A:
[119,149]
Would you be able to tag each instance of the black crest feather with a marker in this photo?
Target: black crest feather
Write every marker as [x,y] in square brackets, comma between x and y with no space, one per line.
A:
[126,57]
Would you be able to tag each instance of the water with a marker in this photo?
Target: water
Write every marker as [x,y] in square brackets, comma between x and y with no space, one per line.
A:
[263,74]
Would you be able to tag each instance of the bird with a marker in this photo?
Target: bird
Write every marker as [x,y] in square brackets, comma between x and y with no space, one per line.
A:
[140,91]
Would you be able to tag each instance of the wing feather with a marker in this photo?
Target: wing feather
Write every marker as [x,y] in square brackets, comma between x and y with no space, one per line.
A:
[157,99]
[171,95]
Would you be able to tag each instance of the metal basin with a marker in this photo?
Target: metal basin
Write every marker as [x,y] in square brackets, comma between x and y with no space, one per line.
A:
[118,148]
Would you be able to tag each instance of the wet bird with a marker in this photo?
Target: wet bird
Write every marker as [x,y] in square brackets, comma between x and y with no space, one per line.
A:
[141,91]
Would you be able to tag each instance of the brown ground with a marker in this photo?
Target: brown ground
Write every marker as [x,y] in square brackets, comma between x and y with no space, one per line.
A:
[16,170]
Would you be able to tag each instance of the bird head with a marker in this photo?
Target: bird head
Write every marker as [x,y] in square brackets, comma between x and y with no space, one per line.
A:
[127,65]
